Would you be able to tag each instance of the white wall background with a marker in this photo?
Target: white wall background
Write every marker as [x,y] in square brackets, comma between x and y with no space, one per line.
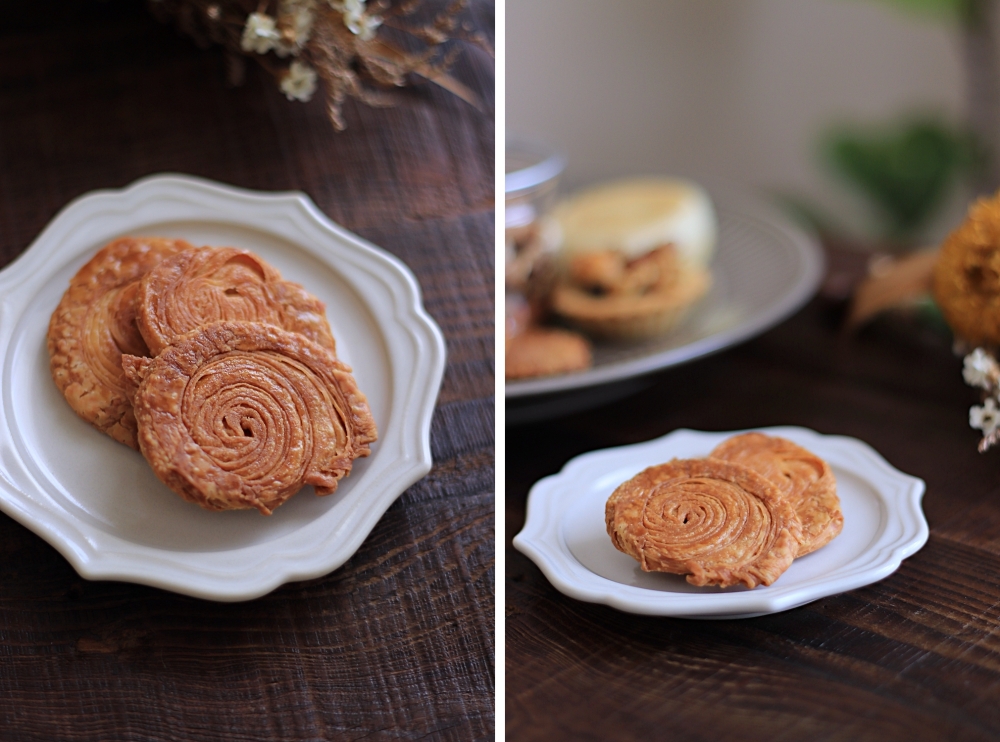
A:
[732,90]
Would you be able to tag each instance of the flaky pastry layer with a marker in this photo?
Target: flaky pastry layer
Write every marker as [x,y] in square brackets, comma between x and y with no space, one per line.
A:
[801,476]
[95,323]
[715,522]
[238,415]
[211,284]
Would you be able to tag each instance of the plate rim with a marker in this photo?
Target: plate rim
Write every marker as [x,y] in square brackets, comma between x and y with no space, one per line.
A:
[411,337]
[905,532]
[726,200]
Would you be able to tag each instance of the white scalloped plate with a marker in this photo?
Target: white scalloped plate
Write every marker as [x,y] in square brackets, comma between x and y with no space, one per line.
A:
[564,532]
[97,501]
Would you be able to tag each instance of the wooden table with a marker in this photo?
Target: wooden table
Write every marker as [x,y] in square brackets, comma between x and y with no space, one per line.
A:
[396,644]
[913,657]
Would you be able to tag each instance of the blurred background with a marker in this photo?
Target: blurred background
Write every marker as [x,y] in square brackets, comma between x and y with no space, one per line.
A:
[860,116]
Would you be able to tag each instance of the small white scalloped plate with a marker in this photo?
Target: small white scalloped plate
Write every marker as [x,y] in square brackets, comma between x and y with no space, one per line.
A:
[564,532]
[99,503]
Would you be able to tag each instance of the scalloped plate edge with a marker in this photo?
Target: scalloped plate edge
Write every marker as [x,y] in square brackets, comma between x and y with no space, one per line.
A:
[541,538]
[100,555]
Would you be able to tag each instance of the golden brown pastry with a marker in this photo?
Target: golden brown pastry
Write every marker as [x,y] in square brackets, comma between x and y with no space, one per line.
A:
[95,323]
[208,284]
[803,478]
[239,415]
[608,296]
[716,522]
[543,351]
[635,256]
[966,282]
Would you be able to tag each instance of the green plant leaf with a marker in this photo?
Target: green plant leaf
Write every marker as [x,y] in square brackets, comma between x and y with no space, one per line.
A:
[953,9]
[904,171]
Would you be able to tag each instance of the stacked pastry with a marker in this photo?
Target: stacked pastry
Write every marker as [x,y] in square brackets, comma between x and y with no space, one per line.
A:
[627,261]
[220,372]
[635,256]
[740,516]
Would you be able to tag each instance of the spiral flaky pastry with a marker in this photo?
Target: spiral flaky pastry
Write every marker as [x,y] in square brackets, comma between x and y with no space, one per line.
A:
[239,415]
[716,522]
[95,323]
[803,478]
[209,284]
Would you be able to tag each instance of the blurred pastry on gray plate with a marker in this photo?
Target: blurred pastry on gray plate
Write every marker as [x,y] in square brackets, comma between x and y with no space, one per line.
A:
[634,257]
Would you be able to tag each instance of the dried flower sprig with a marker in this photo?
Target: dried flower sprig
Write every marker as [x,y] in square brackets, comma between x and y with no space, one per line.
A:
[980,369]
[336,42]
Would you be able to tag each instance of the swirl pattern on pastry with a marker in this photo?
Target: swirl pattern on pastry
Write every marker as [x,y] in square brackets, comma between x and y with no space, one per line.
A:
[209,284]
[801,476]
[239,415]
[94,325]
[716,522]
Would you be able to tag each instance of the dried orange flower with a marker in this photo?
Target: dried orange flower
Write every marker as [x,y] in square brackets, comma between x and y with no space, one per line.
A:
[966,282]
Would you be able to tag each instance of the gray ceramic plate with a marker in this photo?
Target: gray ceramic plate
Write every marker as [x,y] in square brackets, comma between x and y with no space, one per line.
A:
[764,269]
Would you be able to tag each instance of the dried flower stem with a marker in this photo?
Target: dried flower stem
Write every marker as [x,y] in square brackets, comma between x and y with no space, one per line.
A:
[336,41]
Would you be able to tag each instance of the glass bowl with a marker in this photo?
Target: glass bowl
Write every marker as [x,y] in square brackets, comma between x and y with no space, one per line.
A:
[532,178]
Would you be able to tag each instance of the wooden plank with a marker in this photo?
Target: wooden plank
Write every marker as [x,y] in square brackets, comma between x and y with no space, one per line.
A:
[915,656]
[398,643]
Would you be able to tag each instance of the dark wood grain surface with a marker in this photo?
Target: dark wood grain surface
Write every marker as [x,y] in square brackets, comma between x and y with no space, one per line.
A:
[913,657]
[396,644]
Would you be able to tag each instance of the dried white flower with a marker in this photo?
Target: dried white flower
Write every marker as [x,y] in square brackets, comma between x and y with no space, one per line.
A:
[299,82]
[361,25]
[259,34]
[981,369]
[985,418]
[357,20]
[348,6]
[296,21]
